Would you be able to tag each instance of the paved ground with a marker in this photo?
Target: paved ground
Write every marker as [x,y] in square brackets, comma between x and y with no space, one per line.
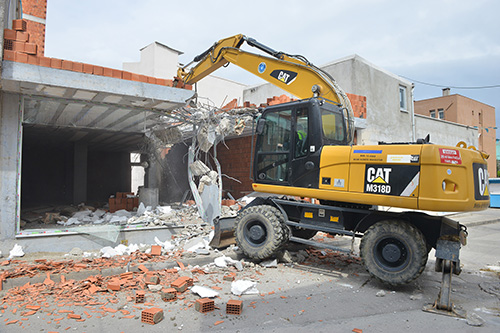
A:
[331,293]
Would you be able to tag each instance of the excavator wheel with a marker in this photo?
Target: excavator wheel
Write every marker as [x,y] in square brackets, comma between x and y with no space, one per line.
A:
[260,231]
[394,252]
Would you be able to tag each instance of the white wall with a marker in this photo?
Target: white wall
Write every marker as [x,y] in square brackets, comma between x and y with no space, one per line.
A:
[157,60]
[444,132]
[217,91]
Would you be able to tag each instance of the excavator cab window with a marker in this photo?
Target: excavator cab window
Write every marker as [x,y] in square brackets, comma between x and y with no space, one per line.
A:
[301,133]
[273,147]
[333,127]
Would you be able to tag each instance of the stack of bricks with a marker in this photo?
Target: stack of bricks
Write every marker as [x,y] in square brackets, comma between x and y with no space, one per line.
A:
[123,200]
[18,47]
[358,104]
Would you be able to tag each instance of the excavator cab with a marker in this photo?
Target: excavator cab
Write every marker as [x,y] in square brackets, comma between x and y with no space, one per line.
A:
[288,145]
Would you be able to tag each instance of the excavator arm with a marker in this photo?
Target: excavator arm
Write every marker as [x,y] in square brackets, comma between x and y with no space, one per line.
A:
[291,73]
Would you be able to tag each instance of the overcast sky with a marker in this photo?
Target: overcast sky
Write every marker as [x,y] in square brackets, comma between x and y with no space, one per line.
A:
[443,42]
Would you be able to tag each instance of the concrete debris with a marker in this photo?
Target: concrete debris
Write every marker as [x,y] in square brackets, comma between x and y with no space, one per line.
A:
[416,297]
[166,245]
[224,261]
[204,291]
[17,251]
[380,293]
[76,251]
[474,319]
[196,243]
[270,263]
[244,287]
[119,250]
[198,168]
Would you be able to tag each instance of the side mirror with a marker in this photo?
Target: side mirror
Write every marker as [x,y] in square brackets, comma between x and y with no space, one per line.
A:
[261,123]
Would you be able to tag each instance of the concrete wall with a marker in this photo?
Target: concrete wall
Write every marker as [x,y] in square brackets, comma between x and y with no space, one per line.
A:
[440,131]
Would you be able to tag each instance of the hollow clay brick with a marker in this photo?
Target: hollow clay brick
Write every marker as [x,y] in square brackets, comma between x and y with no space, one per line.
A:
[19,25]
[9,55]
[204,305]
[55,63]
[234,307]
[9,34]
[152,316]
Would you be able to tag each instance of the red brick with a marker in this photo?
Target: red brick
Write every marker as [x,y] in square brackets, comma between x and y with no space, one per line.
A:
[152,316]
[78,67]
[74,316]
[9,34]
[55,63]
[21,57]
[151,278]
[135,77]
[234,307]
[180,285]
[45,62]
[22,36]
[30,48]
[88,68]
[168,294]
[139,296]
[67,65]
[117,74]
[33,60]
[142,268]
[8,44]
[188,86]
[98,70]
[155,250]
[143,78]
[18,46]
[19,25]
[9,55]
[204,305]
[114,286]
[126,75]
[151,80]
[107,72]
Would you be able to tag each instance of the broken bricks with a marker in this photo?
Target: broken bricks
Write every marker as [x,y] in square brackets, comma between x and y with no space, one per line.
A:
[180,285]
[151,278]
[152,316]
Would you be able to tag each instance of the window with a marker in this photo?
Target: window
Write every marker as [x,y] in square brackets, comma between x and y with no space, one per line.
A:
[301,137]
[333,126]
[441,113]
[402,98]
[432,113]
[273,147]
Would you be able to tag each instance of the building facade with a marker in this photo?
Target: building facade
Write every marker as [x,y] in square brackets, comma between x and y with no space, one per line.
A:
[462,110]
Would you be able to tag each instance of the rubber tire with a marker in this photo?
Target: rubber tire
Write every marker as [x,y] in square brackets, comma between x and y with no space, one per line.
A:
[405,238]
[303,233]
[267,219]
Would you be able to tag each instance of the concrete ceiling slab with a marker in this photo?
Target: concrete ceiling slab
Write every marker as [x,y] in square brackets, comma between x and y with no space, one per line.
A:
[63,103]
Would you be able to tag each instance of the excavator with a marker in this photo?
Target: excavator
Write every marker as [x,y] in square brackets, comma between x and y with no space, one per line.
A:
[305,148]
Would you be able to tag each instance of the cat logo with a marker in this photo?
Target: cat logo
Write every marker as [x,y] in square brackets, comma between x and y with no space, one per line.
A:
[284,76]
[378,175]
[481,182]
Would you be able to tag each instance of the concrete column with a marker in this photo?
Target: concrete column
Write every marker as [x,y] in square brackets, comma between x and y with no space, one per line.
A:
[80,173]
[9,136]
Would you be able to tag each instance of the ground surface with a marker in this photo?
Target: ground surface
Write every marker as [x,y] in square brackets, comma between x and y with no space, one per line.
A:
[329,292]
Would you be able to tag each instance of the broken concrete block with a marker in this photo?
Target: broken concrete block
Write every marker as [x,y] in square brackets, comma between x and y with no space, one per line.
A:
[204,292]
[244,287]
[198,168]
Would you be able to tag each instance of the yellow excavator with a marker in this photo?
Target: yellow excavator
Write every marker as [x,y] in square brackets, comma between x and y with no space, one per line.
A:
[305,149]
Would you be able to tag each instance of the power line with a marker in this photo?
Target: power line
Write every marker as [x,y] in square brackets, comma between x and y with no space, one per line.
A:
[453,87]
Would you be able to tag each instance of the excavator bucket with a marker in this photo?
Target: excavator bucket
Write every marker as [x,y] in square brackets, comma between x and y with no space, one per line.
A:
[224,232]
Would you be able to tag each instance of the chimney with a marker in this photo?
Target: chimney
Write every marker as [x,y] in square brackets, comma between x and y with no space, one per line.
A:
[446,92]
[35,13]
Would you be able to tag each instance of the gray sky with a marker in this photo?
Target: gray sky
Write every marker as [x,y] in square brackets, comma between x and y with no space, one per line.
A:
[444,42]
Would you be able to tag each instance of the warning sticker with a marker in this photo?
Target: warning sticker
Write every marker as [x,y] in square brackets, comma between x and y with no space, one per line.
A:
[450,156]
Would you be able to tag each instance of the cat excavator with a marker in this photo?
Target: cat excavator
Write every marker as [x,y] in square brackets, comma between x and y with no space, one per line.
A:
[305,148]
